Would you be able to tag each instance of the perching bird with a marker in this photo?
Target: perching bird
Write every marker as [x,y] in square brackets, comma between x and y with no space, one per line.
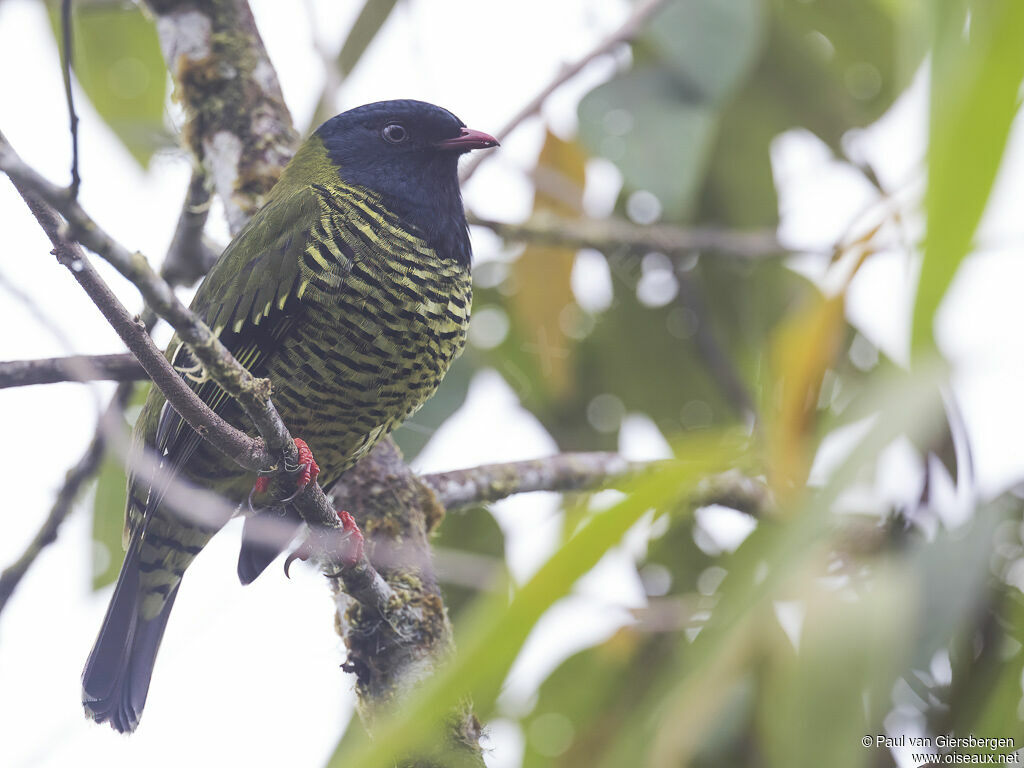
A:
[350,290]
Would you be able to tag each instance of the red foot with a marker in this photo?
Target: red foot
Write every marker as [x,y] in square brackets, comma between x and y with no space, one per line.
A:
[354,552]
[310,469]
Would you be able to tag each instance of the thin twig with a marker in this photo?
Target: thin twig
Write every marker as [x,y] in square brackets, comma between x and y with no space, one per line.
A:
[65,25]
[76,478]
[641,14]
[616,234]
[189,256]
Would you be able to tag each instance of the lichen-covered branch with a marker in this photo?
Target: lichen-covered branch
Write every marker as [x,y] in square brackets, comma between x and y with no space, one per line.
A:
[237,124]
[397,512]
[564,472]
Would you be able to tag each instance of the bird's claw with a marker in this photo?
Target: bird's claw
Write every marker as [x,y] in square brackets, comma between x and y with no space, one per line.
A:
[302,552]
[354,537]
[351,551]
[306,467]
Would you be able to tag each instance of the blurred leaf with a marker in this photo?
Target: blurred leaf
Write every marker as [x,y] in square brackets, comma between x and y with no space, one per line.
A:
[768,558]
[496,629]
[805,346]
[108,520]
[949,597]
[109,501]
[709,44]
[989,701]
[974,96]
[657,122]
[474,532]
[813,700]
[364,29]
[118,63]
[542,273]
[581,706]
[670,133]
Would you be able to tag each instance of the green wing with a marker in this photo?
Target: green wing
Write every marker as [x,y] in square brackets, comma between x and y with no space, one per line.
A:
[250,299]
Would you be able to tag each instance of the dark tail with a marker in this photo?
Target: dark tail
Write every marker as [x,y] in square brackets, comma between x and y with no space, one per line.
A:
[265,535]
[117,674]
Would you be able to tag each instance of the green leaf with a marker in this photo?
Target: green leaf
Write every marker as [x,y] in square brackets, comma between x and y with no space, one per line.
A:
[974,97]
[496,629]
[108,521]
[709,44]
[109,503]
[671,132]
[117,61]
[472,532]
[813,709]
[773,553]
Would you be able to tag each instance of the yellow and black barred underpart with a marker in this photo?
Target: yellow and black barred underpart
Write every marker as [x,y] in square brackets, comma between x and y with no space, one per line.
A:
[353,317]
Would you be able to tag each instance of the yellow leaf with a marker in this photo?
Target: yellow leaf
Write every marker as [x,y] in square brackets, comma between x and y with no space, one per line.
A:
[542,273]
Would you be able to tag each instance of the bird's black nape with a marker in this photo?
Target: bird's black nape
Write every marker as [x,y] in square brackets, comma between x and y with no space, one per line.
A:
[396,149]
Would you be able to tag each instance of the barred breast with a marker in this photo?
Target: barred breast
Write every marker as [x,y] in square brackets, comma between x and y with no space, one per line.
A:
[377,336]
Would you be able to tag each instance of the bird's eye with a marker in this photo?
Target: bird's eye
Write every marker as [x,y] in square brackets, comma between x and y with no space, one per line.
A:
[394,133]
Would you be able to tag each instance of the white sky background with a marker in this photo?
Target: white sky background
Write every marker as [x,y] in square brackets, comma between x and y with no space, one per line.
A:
[243,672]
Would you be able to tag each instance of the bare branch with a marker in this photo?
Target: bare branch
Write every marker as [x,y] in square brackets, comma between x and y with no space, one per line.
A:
[76,478]
[564,472]
[615,234]
[190,256]
[21,373]
[641,14]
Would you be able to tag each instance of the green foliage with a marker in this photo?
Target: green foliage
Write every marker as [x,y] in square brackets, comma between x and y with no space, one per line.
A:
[975,83]
[495,629]
[117,61]
[109,502]
[108,521]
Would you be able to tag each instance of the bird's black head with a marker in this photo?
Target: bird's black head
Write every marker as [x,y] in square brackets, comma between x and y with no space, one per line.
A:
[408,152]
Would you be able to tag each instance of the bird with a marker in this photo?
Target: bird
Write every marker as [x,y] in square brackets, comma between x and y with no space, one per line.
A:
[350,290]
